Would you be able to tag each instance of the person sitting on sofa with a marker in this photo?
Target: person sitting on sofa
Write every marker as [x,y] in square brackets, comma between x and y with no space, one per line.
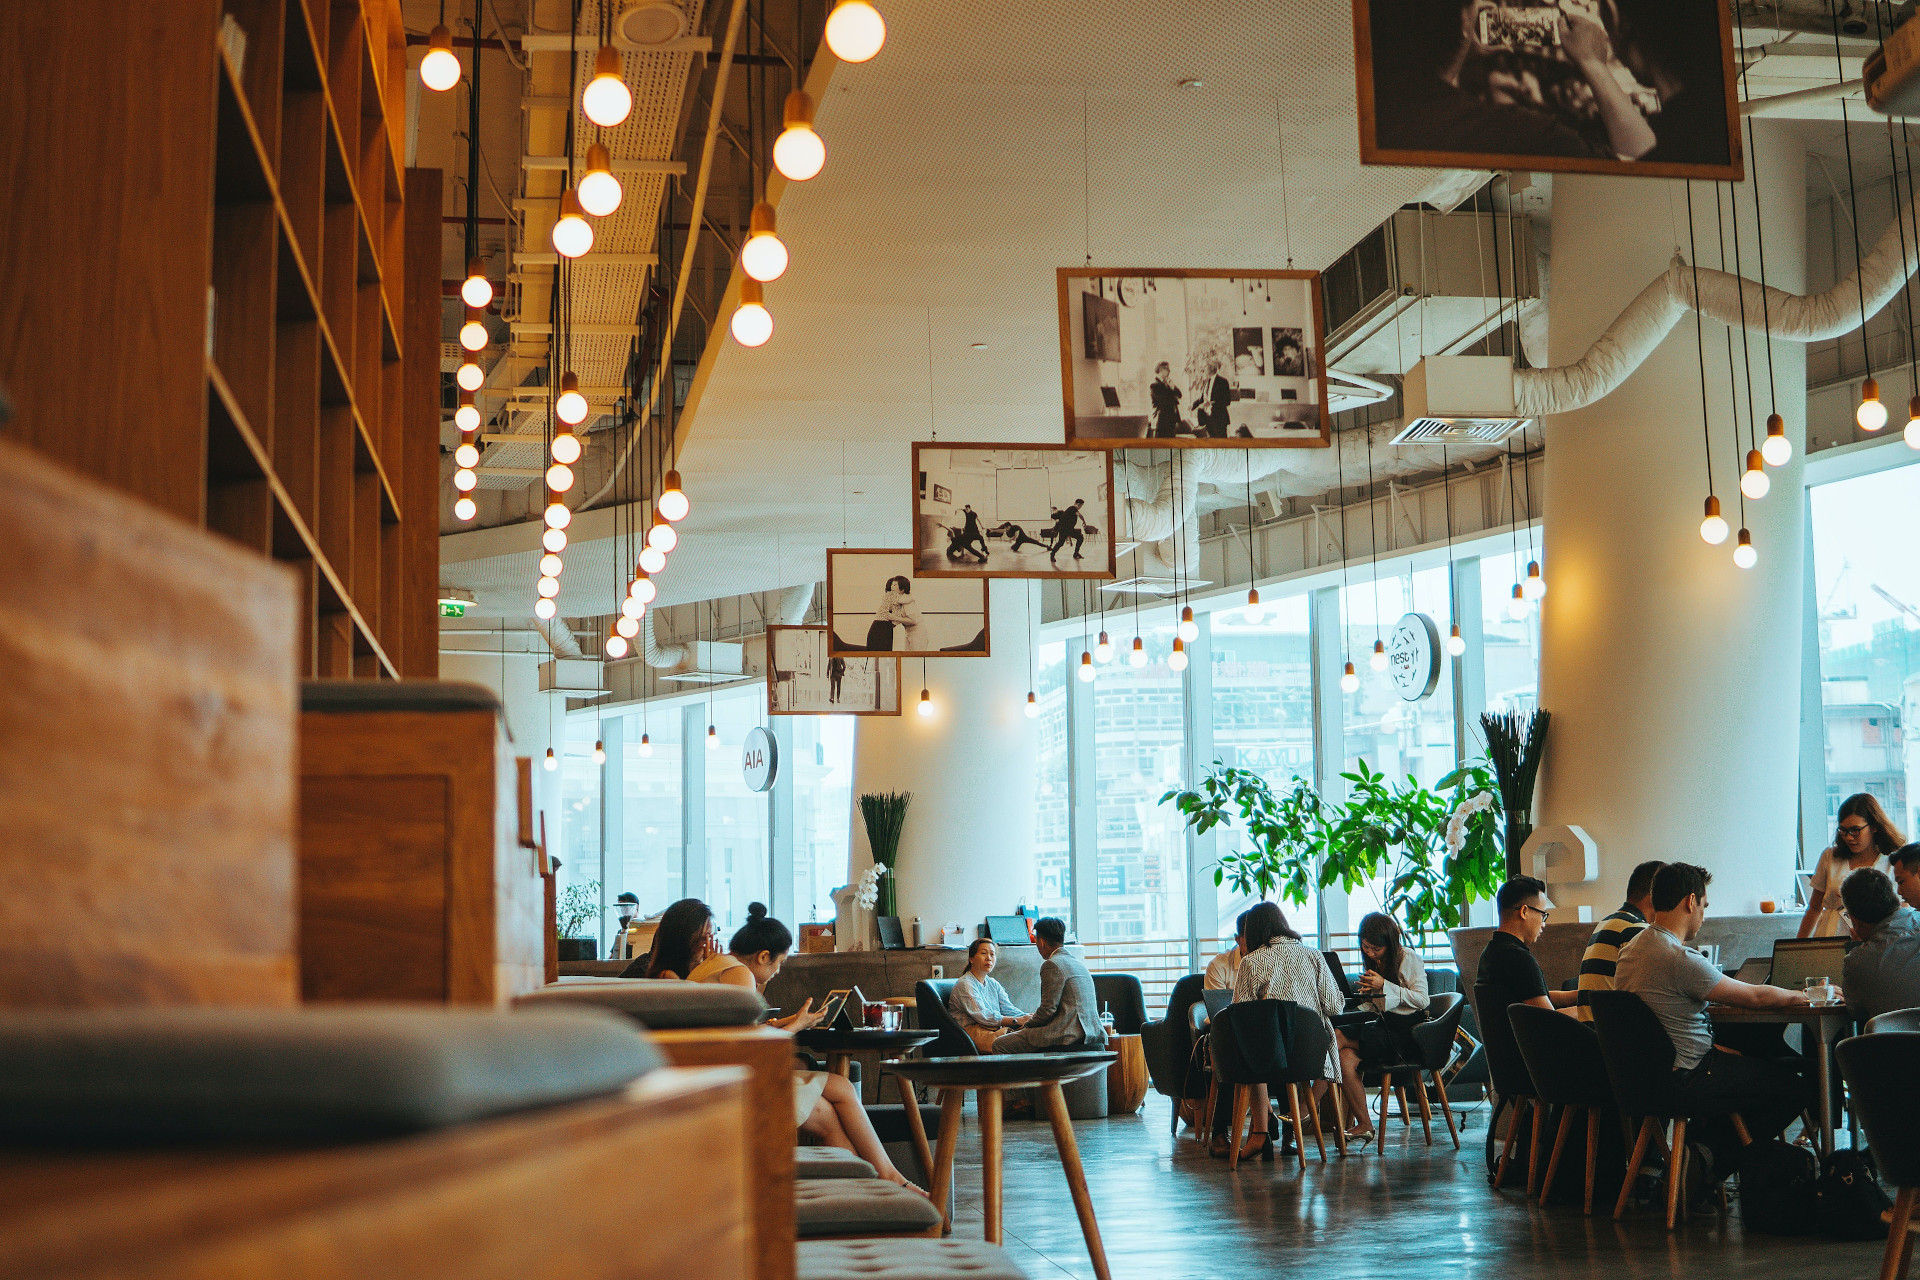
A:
[682,942]
[1068,1016]
[979,1003]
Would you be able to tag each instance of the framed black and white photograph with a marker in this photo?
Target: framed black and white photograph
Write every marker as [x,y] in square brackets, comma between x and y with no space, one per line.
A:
[1194,359]
[1639,87]
[803,679]
[1013,511]
[878,605]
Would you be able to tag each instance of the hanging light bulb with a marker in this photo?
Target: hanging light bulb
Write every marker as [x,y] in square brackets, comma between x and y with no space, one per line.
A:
[548,586]
[628,626]
[464,479]
[1137,656]
[673,502]
[763,256]
[607,100]
[1776,449]
[1033,706]
[599,752]
[662,537]
[1188,630]
[643,589]
[440,70]
[1912,434]
[1743,553]
[1455,644]
[473,334]
[1517,604]
[752,323]
[1713,529]
[551,761]
[713,737]
[559,477]
[554,539]
[1254,613]
[551,565]
[463,509]
[1871,415]
[1086,667]
[1103,651]
[798,152]
[646,745]
[855,31]
[465,455]
[652,560]
[470,376]
[557,515]
[616,645]
[566,447]
[926,703]
[599,189]
[544,608]
[571,406]
[467,416]
[1378,661]
[1177,660]
[476,291]
[632,610]
[1533,586]
[1754,482]
[572,233]
[1349,680]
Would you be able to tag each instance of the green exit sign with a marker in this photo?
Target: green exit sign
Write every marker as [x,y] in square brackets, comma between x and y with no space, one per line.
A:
[453,608]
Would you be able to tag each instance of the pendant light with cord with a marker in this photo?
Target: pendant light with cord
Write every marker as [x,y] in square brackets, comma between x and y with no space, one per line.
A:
[1911,433]
[1754,482]
[1378,659]
[1713,528]
[1776,450]
[606,100]
[1254,613]
[1744,554]
[1349,678]
[1533,586]
[440,69]
[1871,415]
[1032,707]
[1086,670]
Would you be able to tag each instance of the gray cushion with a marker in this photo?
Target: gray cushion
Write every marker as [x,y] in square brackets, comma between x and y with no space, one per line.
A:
[904,1260]
[654,1002]
[395,695]
[856,1207]
[829,1162]
[209,1075]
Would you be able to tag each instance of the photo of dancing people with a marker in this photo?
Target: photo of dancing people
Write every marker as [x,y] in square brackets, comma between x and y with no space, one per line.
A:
[1194,359]
[877,605]
[1587,86]
[1013,511]
[803,679]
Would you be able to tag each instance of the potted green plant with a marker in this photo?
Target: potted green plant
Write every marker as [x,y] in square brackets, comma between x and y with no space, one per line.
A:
[572,910]
[1286,831]
[885,813]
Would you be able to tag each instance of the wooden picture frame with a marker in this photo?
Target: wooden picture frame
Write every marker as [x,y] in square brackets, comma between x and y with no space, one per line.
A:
[856,594]
[1280,411]
[1367,55]
[775,635]
[934,560]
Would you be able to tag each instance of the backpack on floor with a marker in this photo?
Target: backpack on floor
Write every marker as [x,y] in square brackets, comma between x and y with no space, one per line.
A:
[1848,1199]
[1777,1189]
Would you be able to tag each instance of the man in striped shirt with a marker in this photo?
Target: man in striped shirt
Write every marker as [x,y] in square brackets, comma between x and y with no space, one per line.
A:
[1603,948]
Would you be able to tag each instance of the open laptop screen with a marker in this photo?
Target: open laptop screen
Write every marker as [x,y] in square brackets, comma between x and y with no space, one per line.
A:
[1797,959]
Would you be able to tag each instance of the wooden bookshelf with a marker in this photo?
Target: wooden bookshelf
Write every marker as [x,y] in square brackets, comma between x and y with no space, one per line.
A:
[206,299]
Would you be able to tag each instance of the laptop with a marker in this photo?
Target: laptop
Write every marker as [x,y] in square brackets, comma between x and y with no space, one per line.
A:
[1340,978]
[1797,959]
[1216,1000]
[1009,931]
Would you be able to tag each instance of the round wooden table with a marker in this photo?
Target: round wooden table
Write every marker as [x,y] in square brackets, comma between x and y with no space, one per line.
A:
[990,1076]
[840,1045]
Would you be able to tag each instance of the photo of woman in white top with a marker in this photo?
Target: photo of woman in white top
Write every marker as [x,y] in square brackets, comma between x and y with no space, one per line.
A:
[979,1003]
[1864,836]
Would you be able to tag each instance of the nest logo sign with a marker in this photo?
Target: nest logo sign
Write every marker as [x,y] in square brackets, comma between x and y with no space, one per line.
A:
[1413,657]
[760,760]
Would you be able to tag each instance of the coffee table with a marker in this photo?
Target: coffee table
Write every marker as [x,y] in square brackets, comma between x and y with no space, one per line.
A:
[841,1044]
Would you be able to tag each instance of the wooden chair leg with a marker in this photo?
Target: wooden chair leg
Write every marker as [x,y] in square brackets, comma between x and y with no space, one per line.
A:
[1740,1130]
[1386,1088]
[1533,1149]
[1516,1117]
[1237,1117]
[1069,1150]
[1426,1108]
[1639,1157]
[1208,1132]
[1299,1128]
[952,1101]
[1893,1262]
[988,1102]
[1446,1110]
[1676,1171]
[1559,1146]
[1400,1096]
[917,1129]
[1339,1117]
[1593,1154]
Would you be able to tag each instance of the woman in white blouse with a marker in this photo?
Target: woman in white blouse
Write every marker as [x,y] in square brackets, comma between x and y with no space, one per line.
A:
[1393,985]
[1863,837]
[1278,966]
[979,1003]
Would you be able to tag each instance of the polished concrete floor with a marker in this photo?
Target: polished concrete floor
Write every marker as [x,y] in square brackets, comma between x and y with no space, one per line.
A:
[1168,1212]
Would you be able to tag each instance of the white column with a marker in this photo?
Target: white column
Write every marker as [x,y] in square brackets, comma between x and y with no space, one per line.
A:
[535,721]
[967,850]
[1672,675]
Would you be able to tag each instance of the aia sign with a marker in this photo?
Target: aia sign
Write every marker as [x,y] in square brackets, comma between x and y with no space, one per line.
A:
[760,760]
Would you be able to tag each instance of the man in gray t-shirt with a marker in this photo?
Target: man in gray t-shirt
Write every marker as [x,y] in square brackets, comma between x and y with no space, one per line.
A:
[1678,984]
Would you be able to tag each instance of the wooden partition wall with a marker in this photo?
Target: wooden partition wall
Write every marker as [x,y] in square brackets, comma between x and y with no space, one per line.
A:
[205,250]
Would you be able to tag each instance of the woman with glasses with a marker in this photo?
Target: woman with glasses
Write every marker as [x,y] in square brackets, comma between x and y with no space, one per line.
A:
[684,940]
[1863,837]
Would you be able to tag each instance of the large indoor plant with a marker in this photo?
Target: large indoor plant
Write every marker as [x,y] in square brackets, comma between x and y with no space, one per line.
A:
[885,813]
[576,905]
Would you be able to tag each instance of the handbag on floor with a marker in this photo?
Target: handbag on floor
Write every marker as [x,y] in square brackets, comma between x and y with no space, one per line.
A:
[1777,1189]
[1848,1200]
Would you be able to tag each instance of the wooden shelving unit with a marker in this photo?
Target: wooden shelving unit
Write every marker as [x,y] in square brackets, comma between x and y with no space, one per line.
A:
[262,266]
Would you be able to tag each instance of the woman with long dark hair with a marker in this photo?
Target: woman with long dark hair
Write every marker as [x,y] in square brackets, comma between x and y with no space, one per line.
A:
[1279,966]
[1863,837]
[1393,983]
[682,941]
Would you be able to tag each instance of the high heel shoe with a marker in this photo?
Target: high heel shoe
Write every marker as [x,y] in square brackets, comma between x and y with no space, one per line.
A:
[1262,1152]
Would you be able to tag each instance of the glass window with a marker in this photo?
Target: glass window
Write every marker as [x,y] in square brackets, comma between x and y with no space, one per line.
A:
[1512,644]
[739,868]
[578,848]
[821,776]
[1139,753]
[1052,877]
[1262,716]
[1394,736]
[1867,598]
[650,832]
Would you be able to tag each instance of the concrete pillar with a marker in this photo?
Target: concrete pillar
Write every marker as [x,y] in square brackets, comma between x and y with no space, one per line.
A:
[967,851]
[1673,676]
[534,723]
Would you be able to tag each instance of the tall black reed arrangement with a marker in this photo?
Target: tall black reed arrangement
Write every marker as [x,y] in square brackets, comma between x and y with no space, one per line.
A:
[886,816]
[1514,743]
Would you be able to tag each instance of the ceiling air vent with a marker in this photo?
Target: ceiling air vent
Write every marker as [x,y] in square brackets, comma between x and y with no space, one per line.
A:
[648,26]
[1459,430]
[1147,585]
[1465,400]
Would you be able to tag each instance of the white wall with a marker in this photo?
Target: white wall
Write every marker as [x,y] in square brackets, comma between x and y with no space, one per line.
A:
[527,724]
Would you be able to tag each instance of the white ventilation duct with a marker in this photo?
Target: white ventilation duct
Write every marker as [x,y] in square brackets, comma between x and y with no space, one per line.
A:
[559,637]
[790,610]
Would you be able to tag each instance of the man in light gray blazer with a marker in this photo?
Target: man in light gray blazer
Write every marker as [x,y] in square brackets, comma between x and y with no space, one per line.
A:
[1069,1013]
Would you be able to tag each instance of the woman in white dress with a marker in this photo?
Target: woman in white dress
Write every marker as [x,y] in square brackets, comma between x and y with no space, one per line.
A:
[979,1003]
[1864,836]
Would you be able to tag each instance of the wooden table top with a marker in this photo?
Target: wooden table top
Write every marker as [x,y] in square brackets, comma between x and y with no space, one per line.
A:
[1004,1070]
[1795,1013]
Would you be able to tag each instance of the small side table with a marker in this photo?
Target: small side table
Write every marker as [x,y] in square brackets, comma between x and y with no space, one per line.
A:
[1126,1078]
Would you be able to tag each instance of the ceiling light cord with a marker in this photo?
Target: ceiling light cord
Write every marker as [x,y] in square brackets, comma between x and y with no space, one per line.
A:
[1699,340]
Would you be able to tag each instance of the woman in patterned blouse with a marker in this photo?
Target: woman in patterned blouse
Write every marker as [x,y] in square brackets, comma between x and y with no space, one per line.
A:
[1278,966]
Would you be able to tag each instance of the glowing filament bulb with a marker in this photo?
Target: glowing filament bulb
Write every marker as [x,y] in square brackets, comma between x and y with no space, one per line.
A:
[1754,482]
[752,323]
[1871,415]
[1713,529]
[1349,680]
[1086,667]
[572,233]
[464,509]
[571,406]
[470,376]
[440,70]
[855,31]
[763,256]
[1743,553]
[476,290]
[1137,657]
[566,448]
[673,502]
[1103,651]
[606,99]
[1777,448]
[599,190]
[798,152]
